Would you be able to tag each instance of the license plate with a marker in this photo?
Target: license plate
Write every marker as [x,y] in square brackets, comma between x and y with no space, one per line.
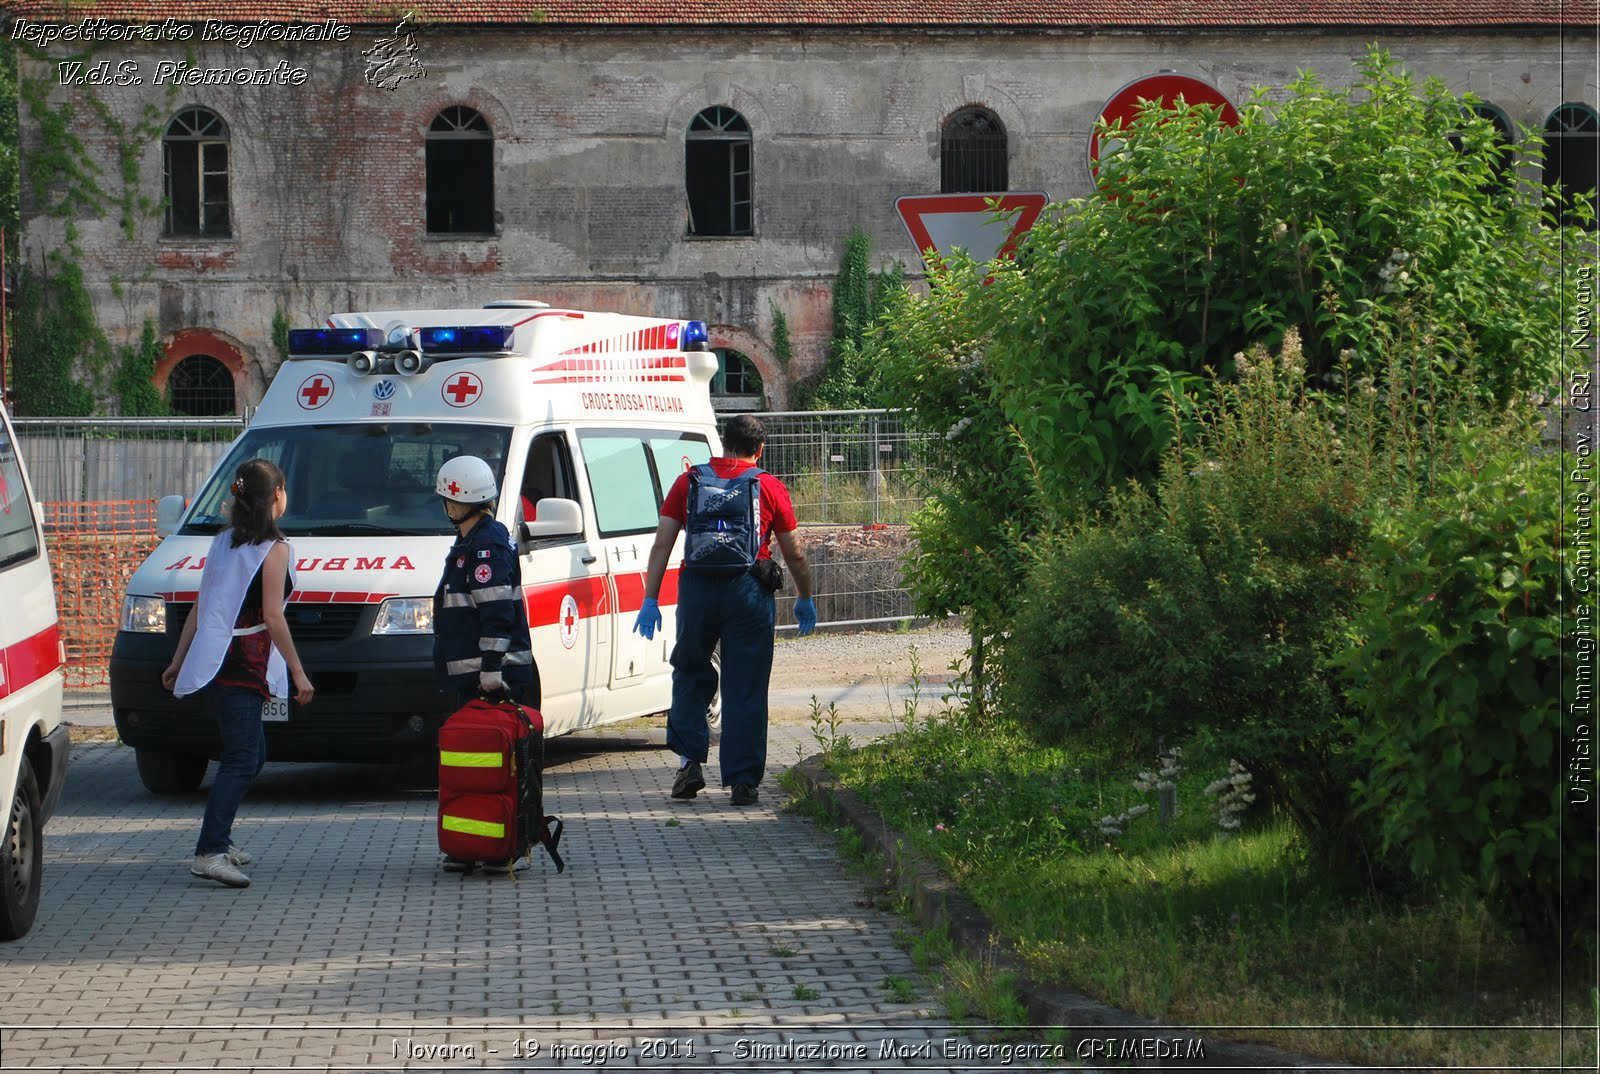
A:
[275,710]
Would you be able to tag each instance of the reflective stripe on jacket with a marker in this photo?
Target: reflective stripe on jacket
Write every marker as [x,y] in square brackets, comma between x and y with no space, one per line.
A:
[480,622]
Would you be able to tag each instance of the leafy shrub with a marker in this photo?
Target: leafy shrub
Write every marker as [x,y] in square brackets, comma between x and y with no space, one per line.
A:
[1208,605]
[1455,664]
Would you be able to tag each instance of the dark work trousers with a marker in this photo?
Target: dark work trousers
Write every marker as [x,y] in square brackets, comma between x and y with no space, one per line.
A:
[739,613]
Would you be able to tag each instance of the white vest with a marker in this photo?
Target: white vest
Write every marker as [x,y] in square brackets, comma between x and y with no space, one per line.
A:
[223,585]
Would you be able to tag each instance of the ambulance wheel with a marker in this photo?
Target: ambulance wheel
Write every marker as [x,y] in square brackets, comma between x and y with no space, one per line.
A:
[714,709]
[170,773]
[21,857]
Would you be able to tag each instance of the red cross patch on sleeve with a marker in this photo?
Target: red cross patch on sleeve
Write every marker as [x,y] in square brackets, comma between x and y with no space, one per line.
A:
[483,573]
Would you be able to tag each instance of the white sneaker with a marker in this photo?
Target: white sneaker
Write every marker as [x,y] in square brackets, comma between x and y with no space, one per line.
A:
[217,867]
[239,857]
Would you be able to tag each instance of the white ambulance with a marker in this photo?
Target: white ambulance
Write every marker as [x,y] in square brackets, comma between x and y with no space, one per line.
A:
[586,418]
[33,740]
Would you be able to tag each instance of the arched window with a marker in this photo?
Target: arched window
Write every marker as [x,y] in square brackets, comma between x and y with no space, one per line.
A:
[716,173]
[1572,143]
[736,375]
[201,387]
[194,165]
[460,165]
[972,153]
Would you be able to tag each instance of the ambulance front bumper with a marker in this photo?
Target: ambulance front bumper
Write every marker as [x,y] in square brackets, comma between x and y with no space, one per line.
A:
[377,699]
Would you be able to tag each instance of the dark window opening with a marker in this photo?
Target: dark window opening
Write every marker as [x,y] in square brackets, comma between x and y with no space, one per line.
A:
[201,387]
[736,374]
[973,154]
[1572,158]
[717,173]
[460,173]
[194,163]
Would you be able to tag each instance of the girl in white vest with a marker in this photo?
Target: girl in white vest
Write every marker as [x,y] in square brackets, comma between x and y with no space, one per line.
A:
[237,653]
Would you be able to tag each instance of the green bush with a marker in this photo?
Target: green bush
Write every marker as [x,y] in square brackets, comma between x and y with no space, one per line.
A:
[1208,605]
[1455,662]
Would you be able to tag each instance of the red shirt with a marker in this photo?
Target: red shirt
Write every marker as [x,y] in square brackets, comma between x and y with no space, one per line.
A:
[777,512]
[245,664]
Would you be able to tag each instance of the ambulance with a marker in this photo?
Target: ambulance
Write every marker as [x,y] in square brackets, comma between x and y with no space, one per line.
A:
[586,419]
[33,739]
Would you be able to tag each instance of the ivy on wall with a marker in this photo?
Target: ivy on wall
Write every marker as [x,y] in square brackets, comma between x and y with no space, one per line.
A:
[58,341]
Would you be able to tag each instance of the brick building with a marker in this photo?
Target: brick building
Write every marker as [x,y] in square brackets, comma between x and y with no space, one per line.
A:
[693,158]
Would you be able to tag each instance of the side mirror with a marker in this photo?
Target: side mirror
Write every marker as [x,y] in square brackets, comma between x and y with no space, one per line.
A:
[557,518]
[169,512]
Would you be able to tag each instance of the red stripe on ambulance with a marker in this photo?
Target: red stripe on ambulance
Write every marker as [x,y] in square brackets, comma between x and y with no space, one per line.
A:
[29,660]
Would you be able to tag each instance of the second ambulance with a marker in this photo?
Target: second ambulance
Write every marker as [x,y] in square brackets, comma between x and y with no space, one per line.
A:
[586,419]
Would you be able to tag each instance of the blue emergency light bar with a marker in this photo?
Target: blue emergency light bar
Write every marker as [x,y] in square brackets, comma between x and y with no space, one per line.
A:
[474,339]
[334,342]
[696,336]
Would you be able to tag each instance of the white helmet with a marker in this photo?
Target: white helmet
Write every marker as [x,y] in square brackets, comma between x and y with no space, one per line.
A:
[466,479]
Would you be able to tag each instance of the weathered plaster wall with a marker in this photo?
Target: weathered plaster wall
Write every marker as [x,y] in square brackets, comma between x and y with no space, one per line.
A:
[327,178]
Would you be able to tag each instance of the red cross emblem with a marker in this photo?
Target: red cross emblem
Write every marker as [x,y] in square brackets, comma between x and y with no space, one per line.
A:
[316,390]
[463,390]
[568,621]
[454,488]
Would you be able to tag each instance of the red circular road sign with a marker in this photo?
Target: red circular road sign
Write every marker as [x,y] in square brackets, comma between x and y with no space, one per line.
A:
[1166,87]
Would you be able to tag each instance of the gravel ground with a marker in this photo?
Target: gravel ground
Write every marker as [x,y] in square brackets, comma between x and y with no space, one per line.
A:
[866,675]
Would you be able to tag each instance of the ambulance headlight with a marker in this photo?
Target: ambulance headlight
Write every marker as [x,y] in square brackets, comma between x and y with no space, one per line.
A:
[405,615]
[363,362]
[143,615]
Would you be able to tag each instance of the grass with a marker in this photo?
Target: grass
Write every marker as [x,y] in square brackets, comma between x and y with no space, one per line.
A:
[1176,924]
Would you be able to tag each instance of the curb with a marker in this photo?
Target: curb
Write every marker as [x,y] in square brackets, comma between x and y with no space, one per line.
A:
[935,900]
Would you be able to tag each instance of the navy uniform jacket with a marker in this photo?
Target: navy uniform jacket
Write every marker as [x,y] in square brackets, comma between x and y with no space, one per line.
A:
[480,622]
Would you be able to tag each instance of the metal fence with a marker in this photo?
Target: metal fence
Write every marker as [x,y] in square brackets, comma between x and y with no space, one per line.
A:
[853,476]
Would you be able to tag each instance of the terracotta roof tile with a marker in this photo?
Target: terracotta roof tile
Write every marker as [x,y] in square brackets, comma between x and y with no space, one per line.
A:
[1085,14]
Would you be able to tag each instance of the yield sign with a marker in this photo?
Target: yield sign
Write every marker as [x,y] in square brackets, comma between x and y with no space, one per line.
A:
[942,222]
[1164,88]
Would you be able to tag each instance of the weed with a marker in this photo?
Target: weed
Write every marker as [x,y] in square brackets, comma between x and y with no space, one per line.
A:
[805,992]
[747,997]
[900,989]
[674,822]
[780,951]
[555,1007]
[825,730]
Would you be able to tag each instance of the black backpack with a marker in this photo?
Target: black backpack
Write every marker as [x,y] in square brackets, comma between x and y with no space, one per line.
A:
[722,530]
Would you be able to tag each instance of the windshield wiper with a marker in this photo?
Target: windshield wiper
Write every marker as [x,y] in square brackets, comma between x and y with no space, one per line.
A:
[355,529]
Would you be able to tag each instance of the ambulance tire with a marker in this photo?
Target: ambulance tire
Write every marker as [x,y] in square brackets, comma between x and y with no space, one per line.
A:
[21,857]
[170,773]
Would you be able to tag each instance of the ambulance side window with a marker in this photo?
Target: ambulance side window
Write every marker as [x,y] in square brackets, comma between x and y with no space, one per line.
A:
[675,454]
[621,482]
[547,474]
[18,539]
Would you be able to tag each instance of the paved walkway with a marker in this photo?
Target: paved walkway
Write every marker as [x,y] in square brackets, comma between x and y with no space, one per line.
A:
[682,935]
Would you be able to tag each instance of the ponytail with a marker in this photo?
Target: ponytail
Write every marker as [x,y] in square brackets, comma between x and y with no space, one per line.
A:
[255,484]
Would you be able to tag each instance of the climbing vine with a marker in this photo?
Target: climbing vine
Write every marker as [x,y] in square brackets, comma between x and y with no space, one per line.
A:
[850,380]
[782,349]
[58,338]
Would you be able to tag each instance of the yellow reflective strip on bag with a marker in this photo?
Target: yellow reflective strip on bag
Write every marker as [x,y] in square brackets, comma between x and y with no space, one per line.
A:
[467,826]
[455,759]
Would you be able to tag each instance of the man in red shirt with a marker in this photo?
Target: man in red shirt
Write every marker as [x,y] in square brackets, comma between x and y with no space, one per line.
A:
[736,611]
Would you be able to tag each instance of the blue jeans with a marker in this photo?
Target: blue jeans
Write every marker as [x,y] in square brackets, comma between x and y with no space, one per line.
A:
[244,750]
[739,613]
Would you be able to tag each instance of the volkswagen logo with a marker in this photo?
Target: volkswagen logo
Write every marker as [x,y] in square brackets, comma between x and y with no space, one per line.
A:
[384,389]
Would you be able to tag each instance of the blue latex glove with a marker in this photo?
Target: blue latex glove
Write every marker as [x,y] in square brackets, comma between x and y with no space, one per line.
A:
[649,620]
[805,613]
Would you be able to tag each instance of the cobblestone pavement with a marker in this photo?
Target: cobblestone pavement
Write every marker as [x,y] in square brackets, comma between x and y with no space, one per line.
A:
[682,936]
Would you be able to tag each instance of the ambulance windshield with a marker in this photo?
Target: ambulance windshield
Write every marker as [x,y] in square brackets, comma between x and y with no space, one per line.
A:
[354,479]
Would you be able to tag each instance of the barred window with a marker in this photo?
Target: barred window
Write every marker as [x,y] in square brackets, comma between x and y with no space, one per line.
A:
[973,153]
[201,387]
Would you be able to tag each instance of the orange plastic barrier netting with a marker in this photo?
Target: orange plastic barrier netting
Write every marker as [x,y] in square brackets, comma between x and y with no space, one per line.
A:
[94,550]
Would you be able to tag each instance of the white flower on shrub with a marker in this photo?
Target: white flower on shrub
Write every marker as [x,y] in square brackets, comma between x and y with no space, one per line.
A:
[958,428]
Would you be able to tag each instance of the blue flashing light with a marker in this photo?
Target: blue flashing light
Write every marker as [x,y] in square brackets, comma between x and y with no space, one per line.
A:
[474,339]
[334,342]
[696,336]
